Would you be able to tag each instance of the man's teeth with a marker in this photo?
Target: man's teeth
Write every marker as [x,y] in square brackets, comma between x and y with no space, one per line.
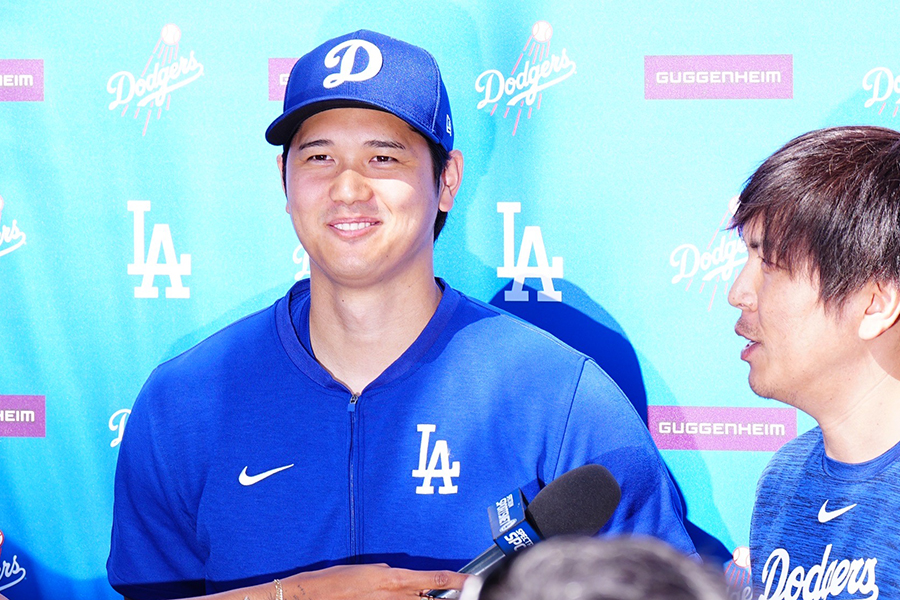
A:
[352,226]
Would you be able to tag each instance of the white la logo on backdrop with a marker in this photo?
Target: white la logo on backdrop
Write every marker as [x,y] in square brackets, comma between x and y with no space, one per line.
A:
[161,239]
[347,62]
[429,468]
[117,425]
[518,269]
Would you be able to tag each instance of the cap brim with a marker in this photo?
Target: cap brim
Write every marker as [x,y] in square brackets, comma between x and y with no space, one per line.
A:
[284,127]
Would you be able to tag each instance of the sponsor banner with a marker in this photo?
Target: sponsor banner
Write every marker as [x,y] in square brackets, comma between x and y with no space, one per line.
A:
[721,428]
[22,80]
[22,416]
[279,71]
[720,77]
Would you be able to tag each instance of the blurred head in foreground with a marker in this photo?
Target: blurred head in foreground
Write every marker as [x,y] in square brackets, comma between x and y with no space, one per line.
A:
[583,568]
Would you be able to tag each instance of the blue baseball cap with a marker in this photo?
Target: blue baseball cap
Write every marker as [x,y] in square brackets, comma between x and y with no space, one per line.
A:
[369,70]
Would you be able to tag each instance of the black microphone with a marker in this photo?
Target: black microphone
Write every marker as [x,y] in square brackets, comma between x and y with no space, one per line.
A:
[578,502]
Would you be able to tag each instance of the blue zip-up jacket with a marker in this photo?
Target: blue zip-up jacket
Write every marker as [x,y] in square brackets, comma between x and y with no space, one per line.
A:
[244,460]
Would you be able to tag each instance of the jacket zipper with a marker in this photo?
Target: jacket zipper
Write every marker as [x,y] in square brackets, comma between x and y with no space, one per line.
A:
[351,408]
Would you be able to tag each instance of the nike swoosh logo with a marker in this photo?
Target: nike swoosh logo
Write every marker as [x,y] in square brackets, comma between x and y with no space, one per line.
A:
[825,515]
[253,479]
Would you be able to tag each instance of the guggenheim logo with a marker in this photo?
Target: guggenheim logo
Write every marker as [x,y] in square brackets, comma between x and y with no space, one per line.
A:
[21,80]
[723,77]
[22,416]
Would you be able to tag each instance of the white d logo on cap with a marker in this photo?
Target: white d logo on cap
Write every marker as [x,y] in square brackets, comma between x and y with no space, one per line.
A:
[347,60]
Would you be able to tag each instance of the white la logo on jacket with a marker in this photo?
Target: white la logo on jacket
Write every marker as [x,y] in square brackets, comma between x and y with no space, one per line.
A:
[438,465]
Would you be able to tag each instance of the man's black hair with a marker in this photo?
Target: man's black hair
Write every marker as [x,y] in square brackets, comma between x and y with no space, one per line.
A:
[828,205]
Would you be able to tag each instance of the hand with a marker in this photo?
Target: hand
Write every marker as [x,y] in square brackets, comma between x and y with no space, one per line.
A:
[373,582]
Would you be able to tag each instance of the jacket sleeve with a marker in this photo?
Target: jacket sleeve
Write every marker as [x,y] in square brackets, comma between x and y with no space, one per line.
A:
[154,551]
[604,428]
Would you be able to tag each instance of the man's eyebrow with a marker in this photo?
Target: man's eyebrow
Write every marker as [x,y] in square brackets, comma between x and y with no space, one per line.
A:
[320,143]
[385,144]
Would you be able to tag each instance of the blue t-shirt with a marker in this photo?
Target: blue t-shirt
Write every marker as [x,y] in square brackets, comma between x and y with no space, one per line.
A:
[825,529]
[244,460]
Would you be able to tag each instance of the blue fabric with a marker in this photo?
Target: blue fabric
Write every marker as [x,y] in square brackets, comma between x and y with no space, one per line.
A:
[376,70]
[515,407]
[853,554]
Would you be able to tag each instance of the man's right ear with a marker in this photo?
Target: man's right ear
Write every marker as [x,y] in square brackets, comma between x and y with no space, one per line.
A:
[882,304]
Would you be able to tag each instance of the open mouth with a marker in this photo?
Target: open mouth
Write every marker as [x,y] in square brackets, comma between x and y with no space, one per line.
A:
[354,226]
[752,344]
[748,349]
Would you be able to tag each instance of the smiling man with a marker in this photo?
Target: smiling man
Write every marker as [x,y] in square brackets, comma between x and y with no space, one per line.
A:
[373,413]
[820,302]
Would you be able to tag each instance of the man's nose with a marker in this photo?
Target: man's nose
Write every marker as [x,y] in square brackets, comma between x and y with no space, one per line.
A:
[349,187]
[742,295]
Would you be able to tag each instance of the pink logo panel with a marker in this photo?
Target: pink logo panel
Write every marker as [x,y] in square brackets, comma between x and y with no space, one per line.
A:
[22,416]
[729,77]
[21,80]
[721,428]
[279,69]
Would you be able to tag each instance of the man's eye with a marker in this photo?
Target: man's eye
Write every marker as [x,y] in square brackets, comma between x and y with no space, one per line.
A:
[383,159]
[318,157]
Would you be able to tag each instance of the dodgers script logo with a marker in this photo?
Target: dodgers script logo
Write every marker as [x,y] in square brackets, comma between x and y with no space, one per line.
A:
[737,575]
[301,258]
[170,72]
[438,466]
[161,239]
[518,269]
[716,264]
[540,71]
[11,573]
[11,238]
[117,425]
[831,577]
[348,60]
[883,85]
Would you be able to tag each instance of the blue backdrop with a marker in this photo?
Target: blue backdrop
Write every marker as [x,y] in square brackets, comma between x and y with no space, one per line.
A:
[132,157]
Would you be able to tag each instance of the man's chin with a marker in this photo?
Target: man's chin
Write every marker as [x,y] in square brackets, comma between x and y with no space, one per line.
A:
[760,387]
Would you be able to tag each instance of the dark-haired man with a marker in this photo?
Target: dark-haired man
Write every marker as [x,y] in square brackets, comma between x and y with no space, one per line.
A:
[820,301]
[373,413]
